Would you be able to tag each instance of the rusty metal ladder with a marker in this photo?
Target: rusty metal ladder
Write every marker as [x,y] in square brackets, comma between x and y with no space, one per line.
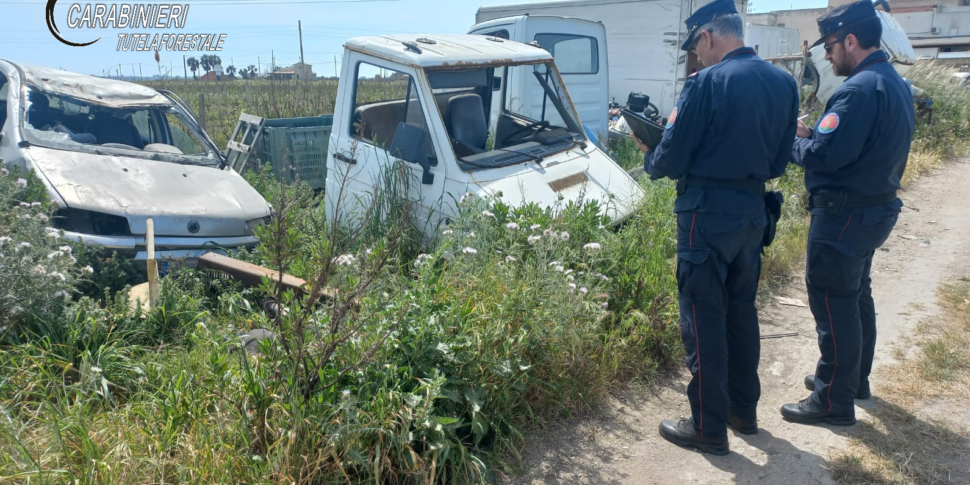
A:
[239,149]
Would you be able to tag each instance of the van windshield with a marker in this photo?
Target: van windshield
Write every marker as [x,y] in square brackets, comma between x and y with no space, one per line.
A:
[505,115]
[164,133]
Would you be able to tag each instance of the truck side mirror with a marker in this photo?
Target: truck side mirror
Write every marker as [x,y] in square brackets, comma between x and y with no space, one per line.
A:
[496,83]
[408,145]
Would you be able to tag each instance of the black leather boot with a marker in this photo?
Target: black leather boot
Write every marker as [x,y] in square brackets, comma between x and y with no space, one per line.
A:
[807,412]
[861,393]
[683,433]
[743,426]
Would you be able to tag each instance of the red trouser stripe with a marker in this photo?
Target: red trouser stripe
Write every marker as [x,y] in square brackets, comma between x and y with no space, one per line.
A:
[846,227]
[700,382]
[828,394]
[691,240]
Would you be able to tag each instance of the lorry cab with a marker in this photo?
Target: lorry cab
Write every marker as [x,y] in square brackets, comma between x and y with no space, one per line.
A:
[448,108]
[579,47]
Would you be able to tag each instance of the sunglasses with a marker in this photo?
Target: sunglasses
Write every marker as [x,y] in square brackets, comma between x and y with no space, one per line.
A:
[828,47]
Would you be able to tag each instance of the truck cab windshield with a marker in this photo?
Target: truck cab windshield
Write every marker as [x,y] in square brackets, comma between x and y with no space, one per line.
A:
[162,133]
[500,116]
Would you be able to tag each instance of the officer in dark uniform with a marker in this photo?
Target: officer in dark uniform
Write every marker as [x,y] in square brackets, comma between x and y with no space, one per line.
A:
[854,160]
[731,130]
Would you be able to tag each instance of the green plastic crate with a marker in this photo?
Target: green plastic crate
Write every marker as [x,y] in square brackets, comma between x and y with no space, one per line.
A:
[297,147]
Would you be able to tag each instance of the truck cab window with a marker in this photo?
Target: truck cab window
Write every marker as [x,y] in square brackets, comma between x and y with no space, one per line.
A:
[383,100]
[575,54]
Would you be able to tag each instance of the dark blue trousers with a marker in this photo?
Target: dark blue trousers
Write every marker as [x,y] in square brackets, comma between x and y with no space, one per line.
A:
[718,266]
[840,251]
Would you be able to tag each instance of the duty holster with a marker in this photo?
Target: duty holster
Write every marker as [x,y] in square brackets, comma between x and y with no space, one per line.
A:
[773,203]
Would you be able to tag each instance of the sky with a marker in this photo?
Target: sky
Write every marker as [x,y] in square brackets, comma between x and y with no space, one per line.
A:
[256,31]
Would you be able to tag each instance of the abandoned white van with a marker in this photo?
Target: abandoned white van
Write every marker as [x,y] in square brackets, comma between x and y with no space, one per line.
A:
[113,154]
[457,122]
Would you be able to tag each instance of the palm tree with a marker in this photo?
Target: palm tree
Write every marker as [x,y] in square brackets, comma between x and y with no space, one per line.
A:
[231,71]
[193,66]
[252,71]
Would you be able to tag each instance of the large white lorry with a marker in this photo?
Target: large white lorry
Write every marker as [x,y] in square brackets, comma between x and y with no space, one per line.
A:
[643,39]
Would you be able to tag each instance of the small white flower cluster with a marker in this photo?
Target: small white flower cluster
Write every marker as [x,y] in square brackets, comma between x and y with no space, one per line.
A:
[422,260]
[344,260]
[488,214]
[592,246]
[512,226]
[22,183]
[469,250]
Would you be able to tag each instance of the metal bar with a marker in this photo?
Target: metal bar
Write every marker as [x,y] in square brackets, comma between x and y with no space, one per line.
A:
[779,335]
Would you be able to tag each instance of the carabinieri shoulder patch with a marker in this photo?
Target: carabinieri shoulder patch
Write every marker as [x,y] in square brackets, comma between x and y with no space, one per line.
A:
[672,118]
[829,123]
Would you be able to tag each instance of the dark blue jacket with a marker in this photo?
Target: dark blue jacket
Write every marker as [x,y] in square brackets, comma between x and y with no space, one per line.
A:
[861,143]
[735,120]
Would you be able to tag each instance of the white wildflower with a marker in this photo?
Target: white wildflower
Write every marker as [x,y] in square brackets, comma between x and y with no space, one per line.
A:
[58,275]
[448,232]
[25,217]
[534,227]
[344,260]
[467,196]
[559,268]
[512,226]
[564,236]
[39,270]
[549,233]
[55,254]
[22,183]
[488,214]
[35,204]
[510,259]
[24,245]
[554,263]
[569,271]
[346,392]
[583,290]
[471,234]
[53,234]
[88,270]
[468,250]
[4,172]
[602,227]
[4,239]
[606,304]
[17,310]
[66,249]
[25,205]
[605,278]
[534,239]
[422,260]
[43,217]
[570,277]
[62,294]
[96,369]
[3,329]
[572,285]
[592,246]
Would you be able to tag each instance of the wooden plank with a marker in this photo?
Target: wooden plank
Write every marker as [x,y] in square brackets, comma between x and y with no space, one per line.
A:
[252,275]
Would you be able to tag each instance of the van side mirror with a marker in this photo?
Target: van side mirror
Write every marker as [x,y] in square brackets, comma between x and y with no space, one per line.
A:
[408,145]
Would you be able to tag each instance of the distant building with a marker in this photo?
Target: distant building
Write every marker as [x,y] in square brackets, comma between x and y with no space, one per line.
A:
[296,71]
[216,74]
[938,29]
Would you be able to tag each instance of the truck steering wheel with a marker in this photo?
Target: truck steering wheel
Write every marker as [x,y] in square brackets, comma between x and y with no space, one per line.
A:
[535,127]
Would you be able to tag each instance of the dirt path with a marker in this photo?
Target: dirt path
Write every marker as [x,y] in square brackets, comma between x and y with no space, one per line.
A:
[624,447]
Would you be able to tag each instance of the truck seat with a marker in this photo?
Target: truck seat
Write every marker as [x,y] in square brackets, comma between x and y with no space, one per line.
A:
[466,121]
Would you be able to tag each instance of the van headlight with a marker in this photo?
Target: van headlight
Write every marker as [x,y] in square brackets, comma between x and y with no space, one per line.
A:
[252,224]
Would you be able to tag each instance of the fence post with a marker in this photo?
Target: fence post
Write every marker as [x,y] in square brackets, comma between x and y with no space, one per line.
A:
[152,264]
[202,111]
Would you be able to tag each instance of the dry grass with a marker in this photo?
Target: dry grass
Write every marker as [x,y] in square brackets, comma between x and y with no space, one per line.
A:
[901,443]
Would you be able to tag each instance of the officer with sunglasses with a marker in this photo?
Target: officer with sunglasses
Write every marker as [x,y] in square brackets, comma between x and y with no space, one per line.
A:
[732,129]
[854,159]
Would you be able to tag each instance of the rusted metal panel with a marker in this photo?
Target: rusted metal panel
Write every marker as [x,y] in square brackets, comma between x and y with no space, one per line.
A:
[567,182]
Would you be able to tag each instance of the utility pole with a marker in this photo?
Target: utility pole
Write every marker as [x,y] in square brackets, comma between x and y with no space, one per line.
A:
[335,66]
[299,24]
[119,70]
[185,71]
[139,71]
[259,67]
[272,63]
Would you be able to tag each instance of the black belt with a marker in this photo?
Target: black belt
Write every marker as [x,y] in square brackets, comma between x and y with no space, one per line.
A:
[746,185]
[841,200]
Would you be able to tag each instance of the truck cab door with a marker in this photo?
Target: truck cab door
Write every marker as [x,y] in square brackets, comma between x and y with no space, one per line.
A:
[579,47]
[375,98]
